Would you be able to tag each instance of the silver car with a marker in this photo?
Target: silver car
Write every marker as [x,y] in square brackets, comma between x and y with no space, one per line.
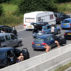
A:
[9,39]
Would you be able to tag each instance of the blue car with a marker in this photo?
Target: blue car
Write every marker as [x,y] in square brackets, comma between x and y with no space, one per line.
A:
[66,23]
[67,34]
[47,29]
[40,41]
[8,55]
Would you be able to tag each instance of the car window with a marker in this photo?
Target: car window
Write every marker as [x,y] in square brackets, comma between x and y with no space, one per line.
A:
[39,40]
[7,37]
[49,38]
[2,38]
[13,36]
[66,21]
[48,27]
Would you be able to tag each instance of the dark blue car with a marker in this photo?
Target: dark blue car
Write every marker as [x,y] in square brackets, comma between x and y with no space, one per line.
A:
[8,55]
[67,34]
[40,41]
[47,29]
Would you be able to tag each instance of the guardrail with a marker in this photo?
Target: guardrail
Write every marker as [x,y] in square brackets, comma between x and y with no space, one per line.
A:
[44,62]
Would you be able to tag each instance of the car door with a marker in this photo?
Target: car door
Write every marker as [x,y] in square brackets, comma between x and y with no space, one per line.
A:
[14,40]
[8,41]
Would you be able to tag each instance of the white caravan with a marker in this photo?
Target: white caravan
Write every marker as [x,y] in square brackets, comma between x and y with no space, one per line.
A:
[38,16]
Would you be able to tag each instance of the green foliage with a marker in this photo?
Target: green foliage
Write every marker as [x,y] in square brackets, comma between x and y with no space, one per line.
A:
[35,5]
[1,10]
[3,1]
[62,1]
[11,20]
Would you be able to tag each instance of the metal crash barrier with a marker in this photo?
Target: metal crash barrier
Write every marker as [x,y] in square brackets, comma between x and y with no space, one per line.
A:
[44,62]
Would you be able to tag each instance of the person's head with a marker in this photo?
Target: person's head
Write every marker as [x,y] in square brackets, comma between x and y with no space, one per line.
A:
[21,54]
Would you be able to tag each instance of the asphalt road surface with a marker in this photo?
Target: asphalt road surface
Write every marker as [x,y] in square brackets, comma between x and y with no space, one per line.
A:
[27,39]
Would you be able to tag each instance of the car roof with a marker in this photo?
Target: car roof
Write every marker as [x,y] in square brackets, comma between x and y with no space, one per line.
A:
[68,19]
[6,48]
[4,26]
[44,36]
[68,31]
[3,34]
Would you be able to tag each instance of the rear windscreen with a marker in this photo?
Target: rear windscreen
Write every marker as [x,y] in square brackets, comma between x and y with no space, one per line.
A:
[39,40]
[66,21]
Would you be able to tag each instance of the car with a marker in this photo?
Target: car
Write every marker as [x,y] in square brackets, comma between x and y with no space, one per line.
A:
[66,23]
[67,34]
[9,39]
[60,17]
[40,41]
[47,29]
[7,52]
[8,29]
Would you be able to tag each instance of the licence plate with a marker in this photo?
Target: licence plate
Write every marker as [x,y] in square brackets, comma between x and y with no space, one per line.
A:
[69,33]
[29,26]
[64,24]
[38,44]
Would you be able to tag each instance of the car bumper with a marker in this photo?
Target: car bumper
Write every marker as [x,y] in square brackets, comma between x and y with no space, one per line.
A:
[38,48]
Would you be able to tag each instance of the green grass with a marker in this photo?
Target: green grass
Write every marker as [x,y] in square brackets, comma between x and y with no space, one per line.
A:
[9,8]
[65,7]
[63,68]
[10,16]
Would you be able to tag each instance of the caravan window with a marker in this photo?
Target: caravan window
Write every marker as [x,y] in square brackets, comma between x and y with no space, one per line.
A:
[51,16]
[29,20]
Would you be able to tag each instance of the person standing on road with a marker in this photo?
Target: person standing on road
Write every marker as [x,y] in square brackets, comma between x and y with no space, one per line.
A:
[52,29]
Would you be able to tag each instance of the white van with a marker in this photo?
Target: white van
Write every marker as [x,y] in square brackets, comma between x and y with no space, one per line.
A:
[38,16]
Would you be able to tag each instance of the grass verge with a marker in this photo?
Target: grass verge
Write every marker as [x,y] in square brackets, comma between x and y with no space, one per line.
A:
[63,68]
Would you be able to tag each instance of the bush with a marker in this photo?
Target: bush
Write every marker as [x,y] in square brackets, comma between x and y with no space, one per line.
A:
[11,20]
[1,10]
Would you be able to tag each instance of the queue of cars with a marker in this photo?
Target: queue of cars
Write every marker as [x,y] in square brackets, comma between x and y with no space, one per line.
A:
[8,41]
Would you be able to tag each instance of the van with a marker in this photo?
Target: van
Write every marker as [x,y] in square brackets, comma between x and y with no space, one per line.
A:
[37,17]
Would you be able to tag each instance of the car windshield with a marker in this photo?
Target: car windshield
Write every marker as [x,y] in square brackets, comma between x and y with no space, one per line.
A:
[66,21]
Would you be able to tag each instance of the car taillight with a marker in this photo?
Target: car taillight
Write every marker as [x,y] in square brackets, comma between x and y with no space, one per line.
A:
[24,25]
[33,43]
[43,43]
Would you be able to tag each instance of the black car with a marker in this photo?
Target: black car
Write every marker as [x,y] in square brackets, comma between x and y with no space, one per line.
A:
[8,29]
[60,39]
[7,52]
[60,16]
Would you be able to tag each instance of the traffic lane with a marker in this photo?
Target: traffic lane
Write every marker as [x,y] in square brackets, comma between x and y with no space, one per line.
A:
[27,42]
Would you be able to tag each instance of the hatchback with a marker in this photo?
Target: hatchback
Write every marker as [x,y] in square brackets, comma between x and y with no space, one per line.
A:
[40,41]
[8,29]
[9,39]
[47,29]
[66,23]
[7,52]
[67,34]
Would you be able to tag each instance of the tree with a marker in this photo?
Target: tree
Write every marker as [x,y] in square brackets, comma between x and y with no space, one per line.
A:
[1,10]
[35,5]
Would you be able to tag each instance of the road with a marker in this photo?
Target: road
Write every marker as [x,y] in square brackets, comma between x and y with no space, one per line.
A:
[27,42]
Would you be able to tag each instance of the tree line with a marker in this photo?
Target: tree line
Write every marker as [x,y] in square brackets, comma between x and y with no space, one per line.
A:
[34,5]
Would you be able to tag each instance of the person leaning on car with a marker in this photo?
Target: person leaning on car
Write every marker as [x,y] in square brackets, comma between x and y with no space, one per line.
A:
[52,29]
[56,41]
